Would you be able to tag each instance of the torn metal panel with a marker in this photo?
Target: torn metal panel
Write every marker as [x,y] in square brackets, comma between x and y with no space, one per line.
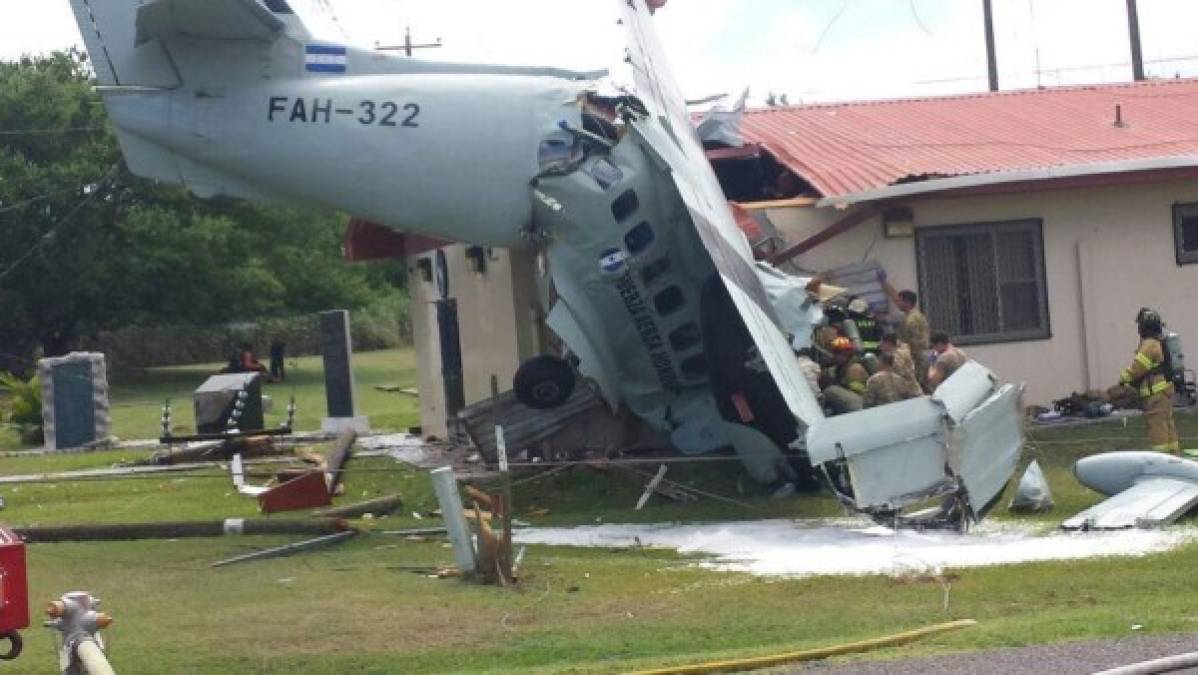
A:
[965,390]
[966,440]
[895,453]
[1153,503]
[722,126]
[862,280]
[986,445]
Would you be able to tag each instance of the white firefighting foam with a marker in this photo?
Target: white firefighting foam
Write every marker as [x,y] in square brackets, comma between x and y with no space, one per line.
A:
[784,547]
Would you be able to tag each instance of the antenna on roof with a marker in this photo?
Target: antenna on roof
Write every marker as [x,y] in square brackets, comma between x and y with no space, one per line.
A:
[407,45]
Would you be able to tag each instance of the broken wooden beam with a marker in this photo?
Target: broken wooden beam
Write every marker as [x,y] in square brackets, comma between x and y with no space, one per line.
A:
[177,530]
[337,458]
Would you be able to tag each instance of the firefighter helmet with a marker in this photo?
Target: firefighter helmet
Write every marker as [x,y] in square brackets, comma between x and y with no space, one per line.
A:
[842,344]
[1149,321]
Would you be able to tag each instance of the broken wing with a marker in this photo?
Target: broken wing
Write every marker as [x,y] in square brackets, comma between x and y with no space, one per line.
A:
[668,131]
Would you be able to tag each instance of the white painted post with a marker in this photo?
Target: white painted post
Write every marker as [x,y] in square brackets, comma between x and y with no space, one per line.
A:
[445,483]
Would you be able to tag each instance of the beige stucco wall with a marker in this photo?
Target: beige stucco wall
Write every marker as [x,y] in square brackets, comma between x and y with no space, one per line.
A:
[1108,251]
[497,319]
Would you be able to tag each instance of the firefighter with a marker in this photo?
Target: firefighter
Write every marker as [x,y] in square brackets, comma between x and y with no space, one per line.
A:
[867,327]
[844,382]
[1147,373]
[913,330]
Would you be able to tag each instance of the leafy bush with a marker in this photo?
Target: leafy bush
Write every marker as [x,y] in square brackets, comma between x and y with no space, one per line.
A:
[23,409]
[382,324]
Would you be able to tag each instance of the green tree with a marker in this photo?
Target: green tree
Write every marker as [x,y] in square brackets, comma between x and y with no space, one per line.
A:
[87,246]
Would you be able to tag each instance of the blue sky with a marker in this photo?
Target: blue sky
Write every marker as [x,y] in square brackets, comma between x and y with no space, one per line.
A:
[813,50]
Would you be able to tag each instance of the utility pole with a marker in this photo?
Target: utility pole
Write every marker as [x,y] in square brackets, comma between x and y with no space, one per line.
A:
[991,57]
[407,45]
[1133,27]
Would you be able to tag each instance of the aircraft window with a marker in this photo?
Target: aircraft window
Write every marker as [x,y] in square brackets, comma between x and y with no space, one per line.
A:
[668,301]
[695,366]
[625,205]
[685,337]
[279,6]
[639,238]
[653,271]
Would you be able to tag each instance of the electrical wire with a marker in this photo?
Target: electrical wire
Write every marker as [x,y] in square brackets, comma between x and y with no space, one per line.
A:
[48,132]
[49,235]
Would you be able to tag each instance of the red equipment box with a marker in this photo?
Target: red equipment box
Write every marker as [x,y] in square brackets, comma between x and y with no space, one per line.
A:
[14,588]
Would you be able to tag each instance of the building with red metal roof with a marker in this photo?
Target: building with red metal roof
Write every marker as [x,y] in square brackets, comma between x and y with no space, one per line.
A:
[1033,224]
[843,149]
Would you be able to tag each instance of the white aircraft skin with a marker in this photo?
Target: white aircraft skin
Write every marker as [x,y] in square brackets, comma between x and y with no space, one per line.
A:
[659,297]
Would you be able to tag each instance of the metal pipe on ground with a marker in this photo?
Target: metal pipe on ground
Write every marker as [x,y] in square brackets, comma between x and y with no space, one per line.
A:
[756,663]
[289,549]
[178,530]
[1168,664]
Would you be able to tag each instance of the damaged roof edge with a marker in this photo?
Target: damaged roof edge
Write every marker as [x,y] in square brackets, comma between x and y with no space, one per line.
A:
[1004,177]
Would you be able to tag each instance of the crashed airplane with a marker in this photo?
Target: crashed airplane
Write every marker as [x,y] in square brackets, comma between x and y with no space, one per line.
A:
[657,296]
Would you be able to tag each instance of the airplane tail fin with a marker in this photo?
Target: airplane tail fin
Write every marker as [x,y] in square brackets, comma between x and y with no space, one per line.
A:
[109,30]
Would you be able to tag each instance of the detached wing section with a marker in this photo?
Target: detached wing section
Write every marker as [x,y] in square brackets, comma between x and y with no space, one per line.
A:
[668,133]
[212,19]
[1153,502]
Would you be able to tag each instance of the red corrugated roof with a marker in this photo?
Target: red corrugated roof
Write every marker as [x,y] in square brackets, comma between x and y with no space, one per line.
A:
[844,148]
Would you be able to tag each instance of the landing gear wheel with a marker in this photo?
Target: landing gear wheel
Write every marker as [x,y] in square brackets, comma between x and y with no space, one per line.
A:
[544,382]
[15,644]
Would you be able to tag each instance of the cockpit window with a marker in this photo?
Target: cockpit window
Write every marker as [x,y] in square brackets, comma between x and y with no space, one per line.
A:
[639,238]
[668,301]
[279,6]
[625,205]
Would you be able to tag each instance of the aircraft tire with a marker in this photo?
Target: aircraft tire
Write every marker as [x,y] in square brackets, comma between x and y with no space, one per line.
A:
[544,382]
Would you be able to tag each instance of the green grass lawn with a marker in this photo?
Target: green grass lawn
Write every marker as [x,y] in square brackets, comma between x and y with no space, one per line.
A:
[362,608]
[137,399]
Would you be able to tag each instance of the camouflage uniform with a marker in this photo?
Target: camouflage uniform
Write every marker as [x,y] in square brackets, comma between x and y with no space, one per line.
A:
[904,365]
[888,387]
[914,332]
[948,362]
[1146,372]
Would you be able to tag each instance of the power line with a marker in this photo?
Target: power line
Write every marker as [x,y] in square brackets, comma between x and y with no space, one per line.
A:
[47,132]
[27,202]
[49,235]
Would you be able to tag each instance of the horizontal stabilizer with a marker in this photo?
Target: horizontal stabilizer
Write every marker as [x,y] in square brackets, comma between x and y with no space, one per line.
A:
[211,19]
[1153,502]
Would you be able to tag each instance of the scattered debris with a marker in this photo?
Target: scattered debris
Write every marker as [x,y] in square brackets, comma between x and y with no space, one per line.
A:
[651,487]
[417,531]
[306,491]
[289,549]
[177,530]
[377,507]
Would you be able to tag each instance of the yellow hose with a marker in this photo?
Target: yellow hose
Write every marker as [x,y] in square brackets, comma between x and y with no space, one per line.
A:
[753,663]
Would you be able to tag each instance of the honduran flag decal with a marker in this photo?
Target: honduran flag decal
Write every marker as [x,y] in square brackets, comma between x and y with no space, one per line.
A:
[324,59]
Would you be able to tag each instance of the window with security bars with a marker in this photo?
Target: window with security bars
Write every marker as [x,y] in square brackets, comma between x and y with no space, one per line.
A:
[1185,233]
[984,283]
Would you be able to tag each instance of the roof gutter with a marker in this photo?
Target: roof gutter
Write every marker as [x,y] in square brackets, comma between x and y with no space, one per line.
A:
[972,181]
